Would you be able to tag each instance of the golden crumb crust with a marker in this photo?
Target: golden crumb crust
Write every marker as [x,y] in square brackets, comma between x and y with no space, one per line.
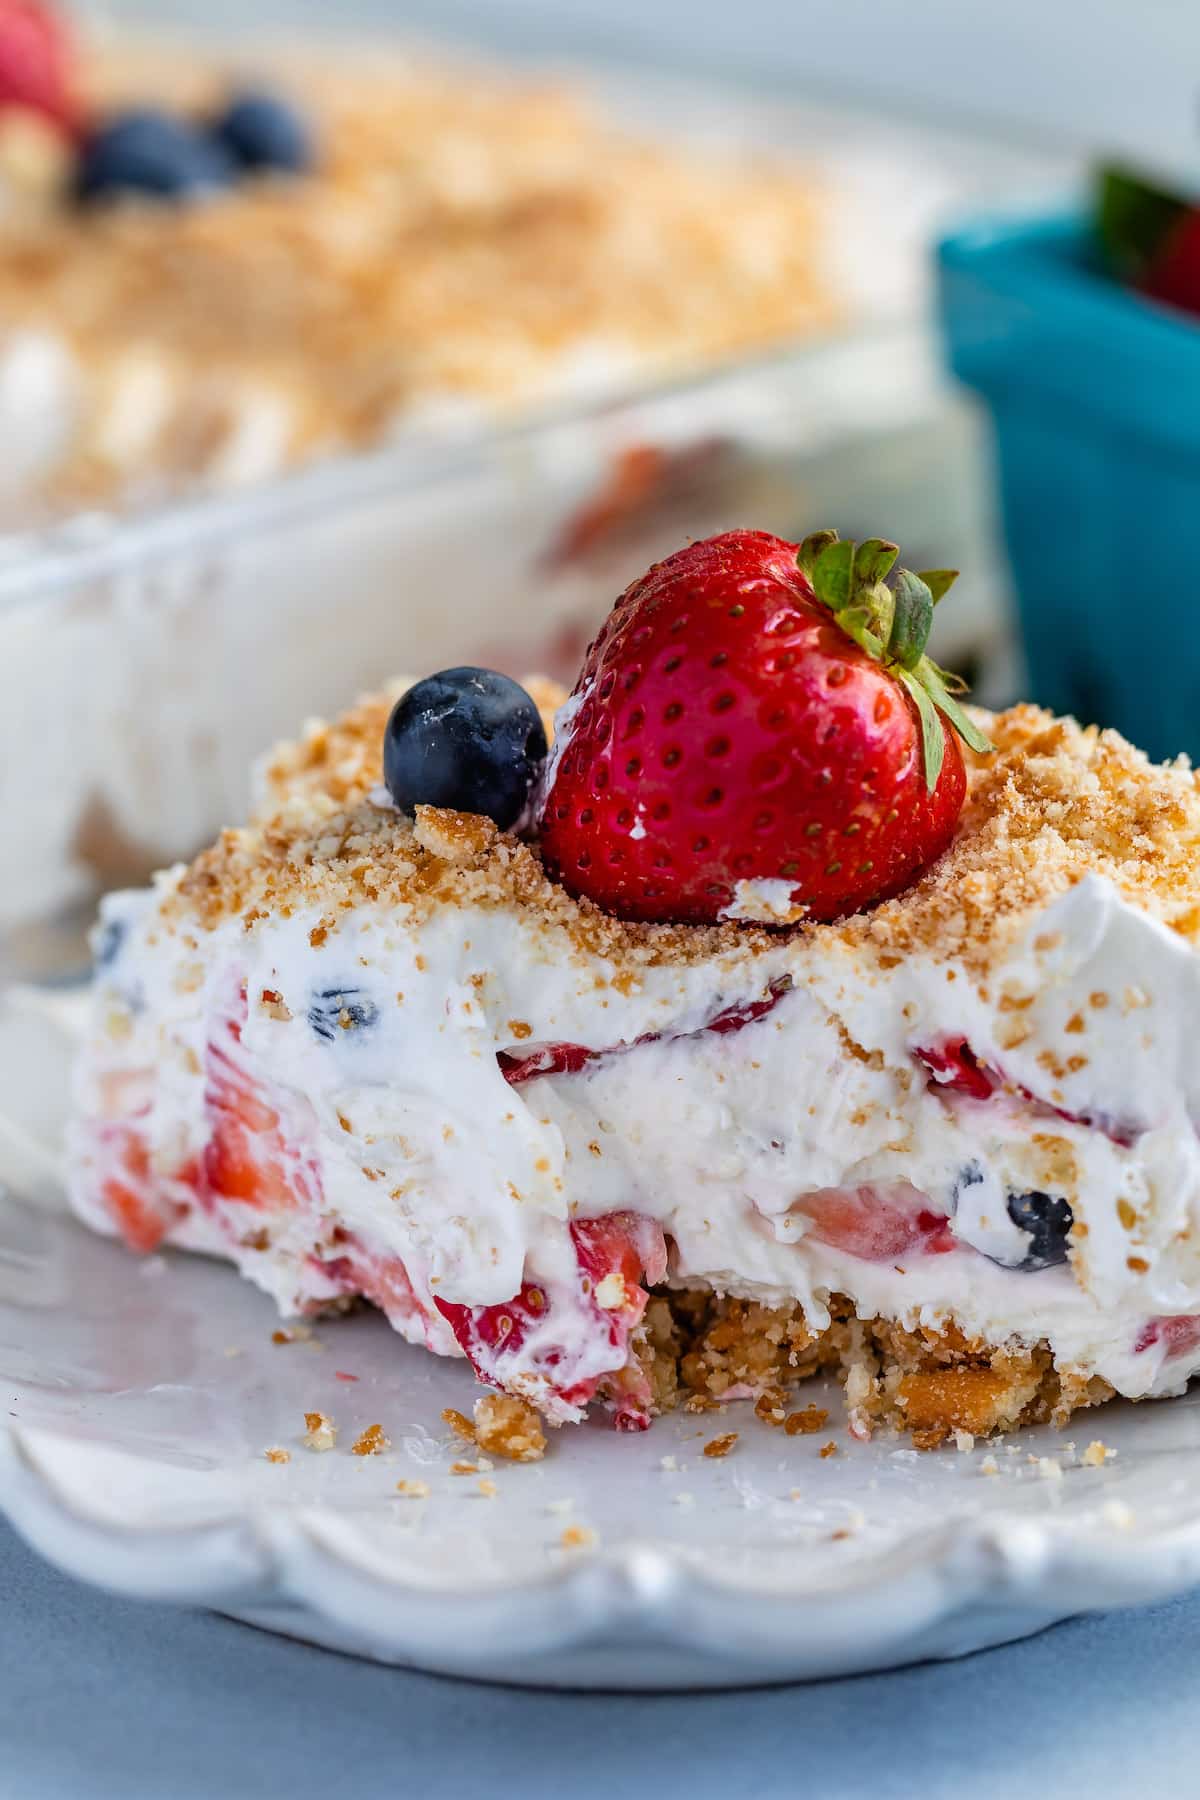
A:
[701,1349]
[1053,803]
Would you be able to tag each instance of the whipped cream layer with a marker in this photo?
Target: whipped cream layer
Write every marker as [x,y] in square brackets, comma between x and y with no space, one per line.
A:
[433,1100]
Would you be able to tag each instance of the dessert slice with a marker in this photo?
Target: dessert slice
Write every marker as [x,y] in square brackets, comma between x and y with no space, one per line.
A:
[945,1143]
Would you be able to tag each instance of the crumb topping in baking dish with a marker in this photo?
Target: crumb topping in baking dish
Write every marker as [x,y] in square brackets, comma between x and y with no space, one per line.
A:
[461,240]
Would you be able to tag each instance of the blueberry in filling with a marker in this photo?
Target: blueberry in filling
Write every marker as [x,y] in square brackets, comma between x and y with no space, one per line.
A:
[969,1176]
[108,942]
[1046,1220]
[333,1012]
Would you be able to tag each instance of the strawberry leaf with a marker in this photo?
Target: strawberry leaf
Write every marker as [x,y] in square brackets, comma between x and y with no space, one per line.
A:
[911,620]
[892,624]
[873,561]
[833,575]
[858,622]
[1134,217]
[811,548]
[930,677]
[953,684]
[938,581]
[933,735]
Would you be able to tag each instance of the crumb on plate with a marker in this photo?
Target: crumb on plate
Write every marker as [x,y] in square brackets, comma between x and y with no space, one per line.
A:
[320,1432]
[721,1446]
[371,1442]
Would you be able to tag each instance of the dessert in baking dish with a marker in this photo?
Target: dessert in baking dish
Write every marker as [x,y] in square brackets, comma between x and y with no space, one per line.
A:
[213,270]
[780,1019]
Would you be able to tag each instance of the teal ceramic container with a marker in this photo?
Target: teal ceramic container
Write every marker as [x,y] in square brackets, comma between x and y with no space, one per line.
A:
[1095,397]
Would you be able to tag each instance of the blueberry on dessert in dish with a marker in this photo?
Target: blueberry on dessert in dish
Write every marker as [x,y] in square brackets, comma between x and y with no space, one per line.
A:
[784,1017]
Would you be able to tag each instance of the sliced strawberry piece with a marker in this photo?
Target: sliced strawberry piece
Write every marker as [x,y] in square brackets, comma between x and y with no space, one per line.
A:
[644,483]
[131,1194]
[1118,1131]
[1177,1334]
[247,1158]
[138,1201]
[547,1059]
[385,1282]
[956,1069]
[569,1059]
[877,1224]
[489,1333]
[954,1066]
[582,1329]
[735,1017]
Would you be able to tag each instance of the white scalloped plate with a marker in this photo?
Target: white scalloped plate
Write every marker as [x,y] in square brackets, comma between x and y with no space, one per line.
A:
[139,1398]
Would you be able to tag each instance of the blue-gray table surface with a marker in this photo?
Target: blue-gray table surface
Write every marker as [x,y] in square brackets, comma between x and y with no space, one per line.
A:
[105,1699]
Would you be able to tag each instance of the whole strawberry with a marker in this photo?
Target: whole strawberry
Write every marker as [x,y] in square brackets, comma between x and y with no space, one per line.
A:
[36,62]
[758,731]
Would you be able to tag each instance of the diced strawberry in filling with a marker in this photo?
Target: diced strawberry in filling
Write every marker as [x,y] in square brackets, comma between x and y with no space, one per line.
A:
[877,1224]
[133,1196]
[547,1059]
[955,1068]
[247,1158]
[954,1065]
[574,1326]
[1177,1334]
[385,1282]
[735,1017]
[569,1059]
[1117,1131]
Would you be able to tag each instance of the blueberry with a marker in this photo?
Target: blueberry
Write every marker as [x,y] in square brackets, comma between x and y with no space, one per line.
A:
[260,131]
[466,739]
[147,152]
[970,1175]
[1046,1219]
[334,1011]
[107,942]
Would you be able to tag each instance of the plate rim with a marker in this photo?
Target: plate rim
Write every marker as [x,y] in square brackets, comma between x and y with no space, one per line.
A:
[913,1600]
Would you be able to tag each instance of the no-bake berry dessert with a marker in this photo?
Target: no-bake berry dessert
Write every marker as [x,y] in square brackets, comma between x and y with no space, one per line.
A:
[213,269]
[784,1016]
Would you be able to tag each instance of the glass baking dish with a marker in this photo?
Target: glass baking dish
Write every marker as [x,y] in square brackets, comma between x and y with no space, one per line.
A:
[146,660]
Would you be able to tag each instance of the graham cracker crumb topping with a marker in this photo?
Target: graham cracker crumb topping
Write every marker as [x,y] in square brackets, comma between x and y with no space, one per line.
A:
[333,842]
[453,243]
[1054,803]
